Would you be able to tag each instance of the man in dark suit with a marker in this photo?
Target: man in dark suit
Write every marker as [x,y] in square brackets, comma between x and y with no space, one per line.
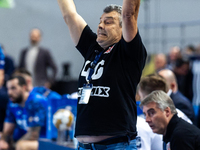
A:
[180,101]
[37,60]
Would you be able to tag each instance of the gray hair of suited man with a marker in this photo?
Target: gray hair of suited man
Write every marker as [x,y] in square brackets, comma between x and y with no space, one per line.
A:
[161,99]
[114,7]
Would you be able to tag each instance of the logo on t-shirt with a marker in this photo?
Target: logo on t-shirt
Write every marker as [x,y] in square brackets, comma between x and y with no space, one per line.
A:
[99,91]
[98,70]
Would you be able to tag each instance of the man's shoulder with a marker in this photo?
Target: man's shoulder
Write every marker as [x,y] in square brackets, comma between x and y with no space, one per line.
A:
[46,92]
[35,97]
[24,50]
[178,96]
[185,134]
[183,128]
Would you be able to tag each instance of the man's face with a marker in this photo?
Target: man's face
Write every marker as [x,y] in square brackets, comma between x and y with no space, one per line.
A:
[160,62]
[156,118]
[109,30]
[35,36]
[15,91]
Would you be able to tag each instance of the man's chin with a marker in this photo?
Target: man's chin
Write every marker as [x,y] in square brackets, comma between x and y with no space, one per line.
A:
[154,131]
[13,101]
[18,101]
[101,42]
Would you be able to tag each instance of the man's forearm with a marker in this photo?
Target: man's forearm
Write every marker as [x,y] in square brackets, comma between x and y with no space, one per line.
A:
[7,138]
[74,21]
[67,8]
[130,12]
[32,134]
[131,7]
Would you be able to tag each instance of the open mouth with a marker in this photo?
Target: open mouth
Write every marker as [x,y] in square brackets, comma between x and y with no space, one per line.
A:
[101,34]
[151,126]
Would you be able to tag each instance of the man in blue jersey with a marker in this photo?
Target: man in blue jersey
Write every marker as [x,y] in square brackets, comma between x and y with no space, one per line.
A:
[27,112]
[40,89]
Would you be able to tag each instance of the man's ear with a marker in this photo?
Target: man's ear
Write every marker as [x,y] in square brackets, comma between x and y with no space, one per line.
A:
[25,87]
[28,80]
[167,111]
[172,86]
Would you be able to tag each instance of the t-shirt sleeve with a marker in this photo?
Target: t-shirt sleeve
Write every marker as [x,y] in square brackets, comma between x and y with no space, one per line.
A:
[135,48]
[36,112]
[87,39]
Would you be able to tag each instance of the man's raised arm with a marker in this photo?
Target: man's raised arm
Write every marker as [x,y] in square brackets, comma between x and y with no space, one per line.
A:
[74,21]
[130,10]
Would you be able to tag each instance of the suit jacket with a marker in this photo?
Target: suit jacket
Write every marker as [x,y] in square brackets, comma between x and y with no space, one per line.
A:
[184,104]
[42,63]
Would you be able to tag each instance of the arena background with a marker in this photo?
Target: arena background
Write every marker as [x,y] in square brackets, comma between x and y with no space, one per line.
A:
[15,24]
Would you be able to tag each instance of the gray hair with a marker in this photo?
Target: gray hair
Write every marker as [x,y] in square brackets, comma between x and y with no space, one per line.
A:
[161,99]
[114,7]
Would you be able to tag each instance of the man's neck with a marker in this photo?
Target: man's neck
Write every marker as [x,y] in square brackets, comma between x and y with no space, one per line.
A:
[34,45]
[169,118]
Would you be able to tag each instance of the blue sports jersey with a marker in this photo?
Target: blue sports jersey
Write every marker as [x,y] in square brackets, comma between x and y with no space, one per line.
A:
[49,94]
[31,115]
[2,57]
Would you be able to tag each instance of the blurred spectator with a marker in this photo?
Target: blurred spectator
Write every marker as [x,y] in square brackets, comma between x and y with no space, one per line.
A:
[3,92]
[189,50]
[195,67]
[26,112]
[40,90]
[2,65]
[198,50]
[160,61]
[180,101]
[37,60]
[174,54]
[9,65]
[184,77]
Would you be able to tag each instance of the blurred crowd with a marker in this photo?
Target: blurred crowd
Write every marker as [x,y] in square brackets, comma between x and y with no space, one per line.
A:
[182,62]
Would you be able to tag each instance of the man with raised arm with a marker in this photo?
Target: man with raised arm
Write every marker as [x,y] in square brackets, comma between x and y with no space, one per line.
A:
[114,59]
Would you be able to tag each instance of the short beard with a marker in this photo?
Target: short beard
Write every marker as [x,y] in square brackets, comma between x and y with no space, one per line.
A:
[18,100]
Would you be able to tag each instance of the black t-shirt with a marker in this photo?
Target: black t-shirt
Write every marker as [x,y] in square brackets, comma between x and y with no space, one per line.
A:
[182,135]
[111,109]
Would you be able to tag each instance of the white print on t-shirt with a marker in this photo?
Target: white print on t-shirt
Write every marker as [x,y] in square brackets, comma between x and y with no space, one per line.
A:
[100,91]
[98,70]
